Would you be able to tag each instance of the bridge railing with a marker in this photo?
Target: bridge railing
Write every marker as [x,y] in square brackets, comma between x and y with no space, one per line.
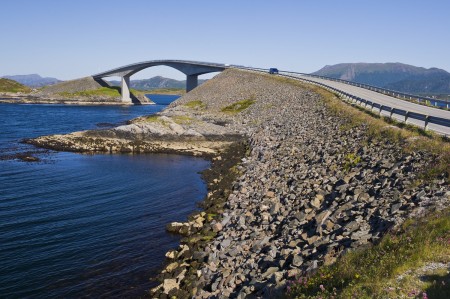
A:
[407,96]
[400,113]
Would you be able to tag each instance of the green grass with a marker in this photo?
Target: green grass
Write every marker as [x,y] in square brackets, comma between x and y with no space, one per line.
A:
[195,104]
[7,85]
[238,106]
[102,91]
[152,118]
[199,105]
[351,160]
[373,272]
[182,119]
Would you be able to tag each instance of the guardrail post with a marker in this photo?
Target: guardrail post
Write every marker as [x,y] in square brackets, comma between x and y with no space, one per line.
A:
[381,108]
[427,119]
[390,113]
[406,116]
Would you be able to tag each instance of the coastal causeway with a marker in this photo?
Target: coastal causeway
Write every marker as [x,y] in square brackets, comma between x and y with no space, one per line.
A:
[294,183]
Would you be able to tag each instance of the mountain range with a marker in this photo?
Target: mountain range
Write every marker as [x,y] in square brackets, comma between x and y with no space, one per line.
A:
[156,83]
[395,76]
[33,80]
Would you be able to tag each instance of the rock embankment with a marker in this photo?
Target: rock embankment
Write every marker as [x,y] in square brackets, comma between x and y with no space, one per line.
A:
[309,189]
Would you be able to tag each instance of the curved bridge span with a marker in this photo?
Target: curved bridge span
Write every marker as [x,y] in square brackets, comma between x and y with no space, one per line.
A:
[192,69]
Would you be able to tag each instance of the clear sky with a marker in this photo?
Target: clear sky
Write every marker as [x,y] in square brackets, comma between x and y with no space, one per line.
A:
[75,38]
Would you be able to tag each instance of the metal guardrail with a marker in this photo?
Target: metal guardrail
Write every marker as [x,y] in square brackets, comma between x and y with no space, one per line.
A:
[393,93]
[426,119]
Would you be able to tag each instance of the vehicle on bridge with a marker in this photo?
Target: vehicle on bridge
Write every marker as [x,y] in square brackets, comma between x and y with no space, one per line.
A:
[273,70]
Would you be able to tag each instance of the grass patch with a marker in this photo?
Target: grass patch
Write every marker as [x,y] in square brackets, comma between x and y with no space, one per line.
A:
[8,85]
[112,91]
[152,119]
[373,272]
[182,119]
[199,105]
[351,160]
[238,106]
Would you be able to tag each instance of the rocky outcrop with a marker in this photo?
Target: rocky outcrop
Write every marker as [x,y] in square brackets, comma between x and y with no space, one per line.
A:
[309,189]
[73,92]
[175,131]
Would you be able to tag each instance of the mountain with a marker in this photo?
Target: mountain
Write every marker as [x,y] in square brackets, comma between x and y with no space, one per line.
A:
[33,80]
[155,83]
[8,85]
[396,76]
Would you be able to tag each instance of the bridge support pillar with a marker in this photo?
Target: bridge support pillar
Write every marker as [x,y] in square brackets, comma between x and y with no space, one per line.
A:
[191,82]
[125,89]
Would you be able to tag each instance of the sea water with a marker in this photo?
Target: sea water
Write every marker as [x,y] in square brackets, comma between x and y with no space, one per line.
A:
[77,225]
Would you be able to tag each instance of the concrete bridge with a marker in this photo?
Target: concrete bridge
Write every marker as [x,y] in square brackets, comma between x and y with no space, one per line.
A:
[192,69]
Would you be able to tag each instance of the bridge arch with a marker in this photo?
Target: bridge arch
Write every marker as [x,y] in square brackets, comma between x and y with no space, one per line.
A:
[192,69]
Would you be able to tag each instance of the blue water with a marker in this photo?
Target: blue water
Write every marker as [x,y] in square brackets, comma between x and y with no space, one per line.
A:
[78,225]
[160,99]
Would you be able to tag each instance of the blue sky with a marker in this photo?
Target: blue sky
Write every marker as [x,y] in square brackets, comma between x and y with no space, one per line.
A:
[72,39]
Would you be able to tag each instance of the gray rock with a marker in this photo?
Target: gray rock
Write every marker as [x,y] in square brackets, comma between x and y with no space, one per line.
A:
[297,261]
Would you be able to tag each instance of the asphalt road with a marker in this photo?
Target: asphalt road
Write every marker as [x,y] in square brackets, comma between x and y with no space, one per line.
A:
[389,101]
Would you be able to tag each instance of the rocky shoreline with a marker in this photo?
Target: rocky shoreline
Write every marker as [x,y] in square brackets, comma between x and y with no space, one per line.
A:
[293,186]
[83,91]
[91,101]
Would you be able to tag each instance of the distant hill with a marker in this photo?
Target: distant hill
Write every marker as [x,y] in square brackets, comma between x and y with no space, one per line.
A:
[71,86]
[8,85]
[155,83]
[396,76]
[33,80]
[87,90]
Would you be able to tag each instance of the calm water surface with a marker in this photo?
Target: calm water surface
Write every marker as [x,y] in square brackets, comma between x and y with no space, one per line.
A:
[78,225]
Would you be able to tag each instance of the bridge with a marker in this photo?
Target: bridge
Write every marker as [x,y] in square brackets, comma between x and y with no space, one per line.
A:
[192,69]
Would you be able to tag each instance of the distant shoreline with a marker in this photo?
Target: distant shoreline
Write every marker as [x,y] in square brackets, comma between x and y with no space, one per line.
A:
[29,99]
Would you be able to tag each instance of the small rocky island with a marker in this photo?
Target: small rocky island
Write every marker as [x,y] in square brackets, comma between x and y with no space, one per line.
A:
[84,91]
[296,181]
